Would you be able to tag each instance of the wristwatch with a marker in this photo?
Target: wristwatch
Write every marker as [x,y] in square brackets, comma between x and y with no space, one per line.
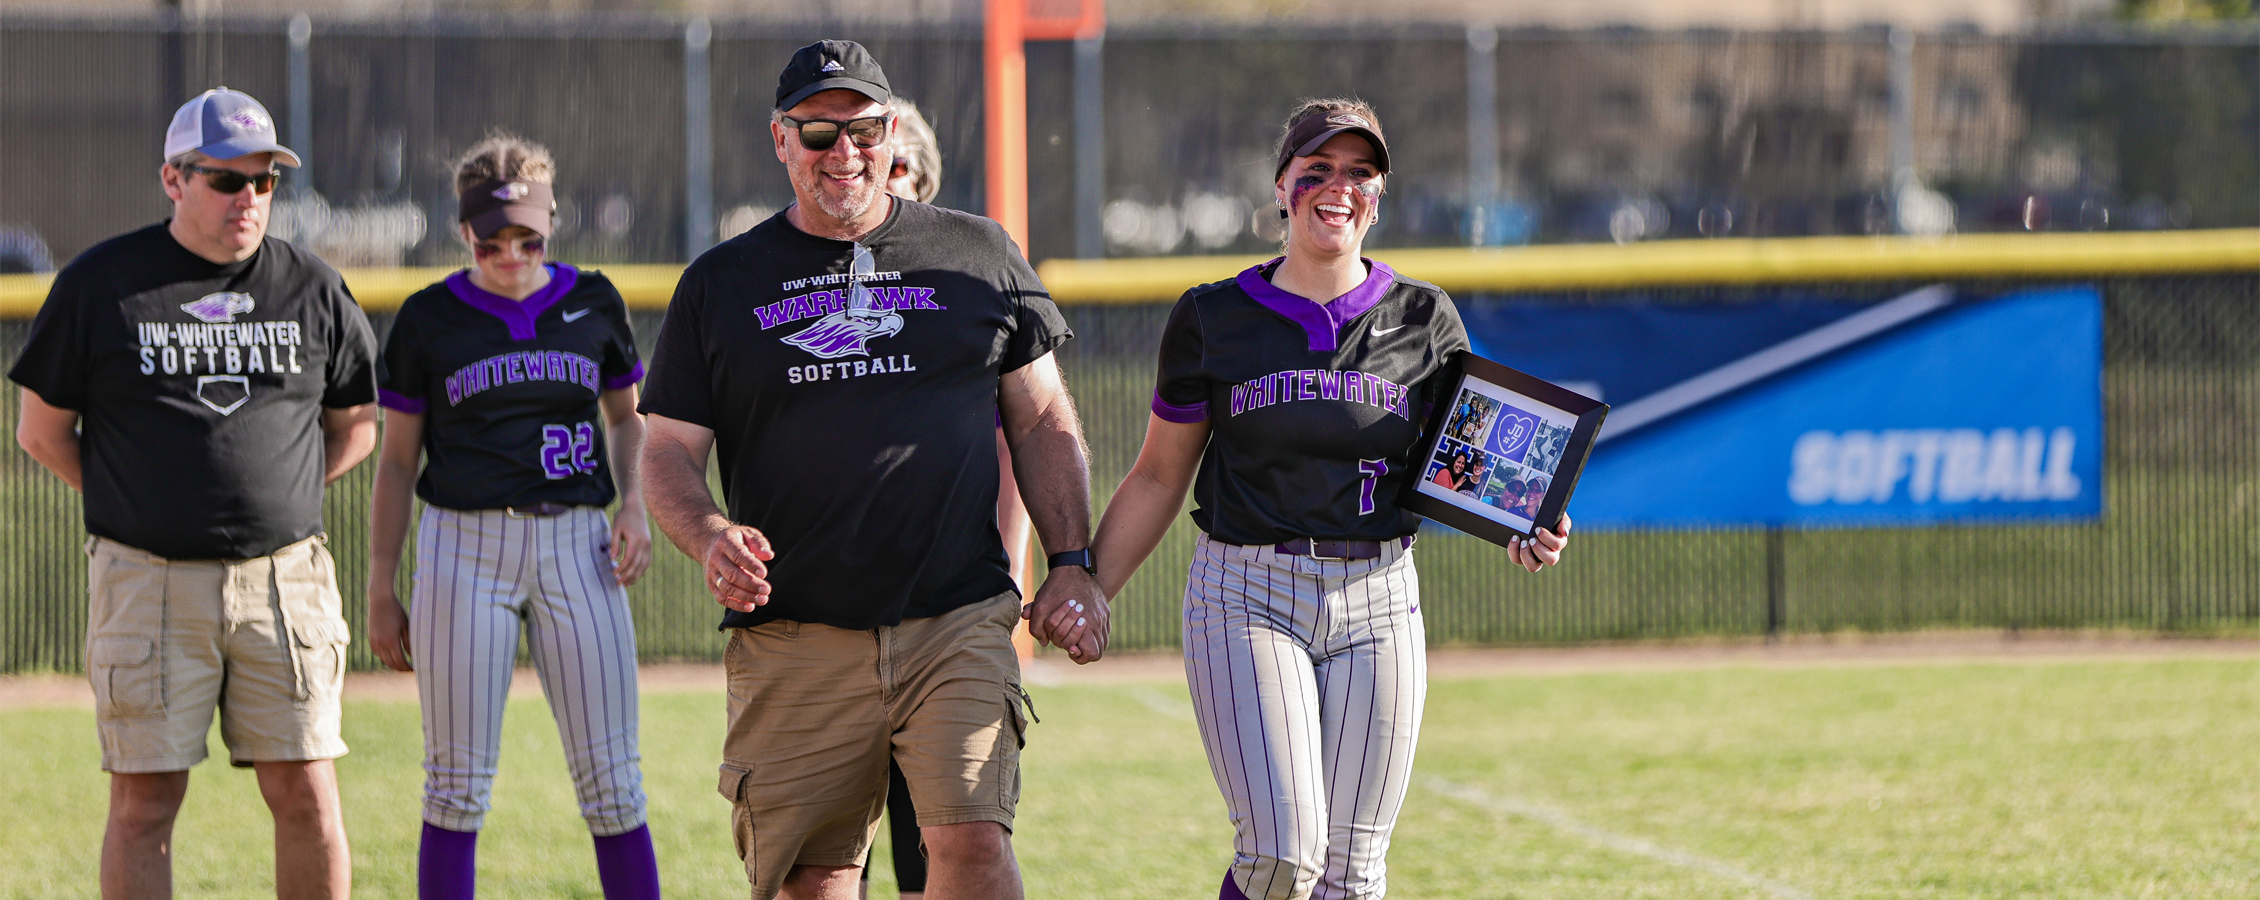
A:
[1073,558]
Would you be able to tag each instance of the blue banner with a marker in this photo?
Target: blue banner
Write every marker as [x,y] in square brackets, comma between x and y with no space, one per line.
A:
[1807,412]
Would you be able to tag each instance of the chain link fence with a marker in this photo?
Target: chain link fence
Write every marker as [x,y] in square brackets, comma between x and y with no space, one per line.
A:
[2176,549]
[1502,137]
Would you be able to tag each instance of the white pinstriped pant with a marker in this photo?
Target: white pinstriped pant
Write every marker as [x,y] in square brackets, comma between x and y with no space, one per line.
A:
[479,576]
[1307,678]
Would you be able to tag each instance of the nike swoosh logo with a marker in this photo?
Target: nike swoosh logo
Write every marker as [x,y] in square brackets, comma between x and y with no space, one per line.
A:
[575,314]
[1379,331]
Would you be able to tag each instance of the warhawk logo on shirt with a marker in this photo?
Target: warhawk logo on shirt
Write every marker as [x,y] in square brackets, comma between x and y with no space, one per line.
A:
[220,307]
[846,320]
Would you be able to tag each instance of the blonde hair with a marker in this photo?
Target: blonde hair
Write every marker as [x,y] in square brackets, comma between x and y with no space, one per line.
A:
[501,156]
[915,142]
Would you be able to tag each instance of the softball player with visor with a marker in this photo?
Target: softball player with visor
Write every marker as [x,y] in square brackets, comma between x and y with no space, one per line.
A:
[1289,400]
[517,377]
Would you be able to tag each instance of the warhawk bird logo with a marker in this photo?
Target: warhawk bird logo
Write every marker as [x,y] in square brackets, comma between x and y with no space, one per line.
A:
[846,332]
[220,307]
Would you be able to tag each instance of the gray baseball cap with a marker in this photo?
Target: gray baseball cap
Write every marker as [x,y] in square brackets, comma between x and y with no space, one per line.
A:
[224,124]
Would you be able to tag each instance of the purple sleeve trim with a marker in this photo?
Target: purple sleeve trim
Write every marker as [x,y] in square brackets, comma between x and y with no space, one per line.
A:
[1182,415]
[617,382]
[401,402]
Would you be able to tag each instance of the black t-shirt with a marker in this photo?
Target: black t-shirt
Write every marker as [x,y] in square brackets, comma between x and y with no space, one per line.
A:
[853,417]
[1314,409]
[199,389]
[508,388]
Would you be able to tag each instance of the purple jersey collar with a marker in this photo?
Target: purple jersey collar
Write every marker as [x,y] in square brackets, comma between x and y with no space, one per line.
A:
[1322,321]
[520,315]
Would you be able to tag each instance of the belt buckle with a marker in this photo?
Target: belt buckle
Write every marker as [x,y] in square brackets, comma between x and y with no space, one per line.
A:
[513,512]
[1314,554]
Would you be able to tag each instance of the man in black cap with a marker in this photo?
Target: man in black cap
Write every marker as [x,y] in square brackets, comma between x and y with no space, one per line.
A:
[846,358]
[199,382]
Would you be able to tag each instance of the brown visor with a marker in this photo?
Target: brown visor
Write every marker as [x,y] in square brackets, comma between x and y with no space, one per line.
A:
[1311,133]
[491,206]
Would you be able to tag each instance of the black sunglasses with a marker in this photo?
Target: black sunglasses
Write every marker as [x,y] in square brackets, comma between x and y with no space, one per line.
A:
[821,134]
[229,181]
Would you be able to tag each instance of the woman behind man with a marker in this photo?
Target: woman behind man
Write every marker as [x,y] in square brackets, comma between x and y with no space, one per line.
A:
[516,377]
[1304,645]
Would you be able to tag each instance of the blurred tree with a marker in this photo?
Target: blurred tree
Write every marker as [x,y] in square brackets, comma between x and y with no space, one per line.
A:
[2185,10]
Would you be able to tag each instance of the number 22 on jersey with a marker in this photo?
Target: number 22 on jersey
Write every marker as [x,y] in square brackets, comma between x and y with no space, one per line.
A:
[568,450]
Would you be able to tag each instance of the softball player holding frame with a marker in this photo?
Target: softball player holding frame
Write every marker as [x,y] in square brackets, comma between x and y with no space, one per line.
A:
[1295,390]
[502,373]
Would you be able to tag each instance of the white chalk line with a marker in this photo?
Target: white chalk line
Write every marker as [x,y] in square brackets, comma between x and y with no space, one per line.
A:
[1173,707]
[1610,839]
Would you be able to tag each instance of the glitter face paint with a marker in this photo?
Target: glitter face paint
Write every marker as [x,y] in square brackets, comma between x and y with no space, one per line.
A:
[1303,186]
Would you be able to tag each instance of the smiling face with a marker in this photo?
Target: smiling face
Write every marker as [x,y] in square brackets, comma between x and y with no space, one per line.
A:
[844,182]
[219,227]
[510,258]
[1332,196]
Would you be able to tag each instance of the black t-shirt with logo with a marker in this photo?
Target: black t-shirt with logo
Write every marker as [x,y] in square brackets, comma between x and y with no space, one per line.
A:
[200,389]
[508,388]
[1314,409]
[852,390]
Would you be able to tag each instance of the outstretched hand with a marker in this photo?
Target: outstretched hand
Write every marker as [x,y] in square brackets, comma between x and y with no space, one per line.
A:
[1541,549]
[1071,613]
[736,569]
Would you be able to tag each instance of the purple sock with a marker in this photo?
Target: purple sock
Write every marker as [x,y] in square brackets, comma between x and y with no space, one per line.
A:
[626,866]
[1230,891]
[447,864]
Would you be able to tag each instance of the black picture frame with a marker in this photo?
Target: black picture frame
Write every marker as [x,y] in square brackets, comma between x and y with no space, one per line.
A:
[1504,387]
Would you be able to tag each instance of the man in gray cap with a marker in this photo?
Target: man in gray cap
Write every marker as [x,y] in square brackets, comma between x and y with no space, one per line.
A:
[199,383]
[847,361]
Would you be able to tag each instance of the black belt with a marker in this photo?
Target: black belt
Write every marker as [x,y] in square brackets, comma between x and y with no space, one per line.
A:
[1339,549]
[541,510]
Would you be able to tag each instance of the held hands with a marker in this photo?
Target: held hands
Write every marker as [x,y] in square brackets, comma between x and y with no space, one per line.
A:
[631,546]
[388,626]
[735,569]
[1070,612]
[1540,550]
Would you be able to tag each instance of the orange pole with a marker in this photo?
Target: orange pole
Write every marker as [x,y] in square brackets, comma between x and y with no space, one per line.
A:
[1005,65]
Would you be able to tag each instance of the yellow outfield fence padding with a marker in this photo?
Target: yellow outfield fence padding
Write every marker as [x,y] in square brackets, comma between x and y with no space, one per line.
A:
[1550,267]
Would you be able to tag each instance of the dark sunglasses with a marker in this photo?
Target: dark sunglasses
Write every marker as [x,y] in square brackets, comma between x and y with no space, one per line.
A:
[229,181]
[532,246]
[821,134]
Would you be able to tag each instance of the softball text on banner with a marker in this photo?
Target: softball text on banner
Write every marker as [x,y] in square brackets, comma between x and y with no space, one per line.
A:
[1932,407]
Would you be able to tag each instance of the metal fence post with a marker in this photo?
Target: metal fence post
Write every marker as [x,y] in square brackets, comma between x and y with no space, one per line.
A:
[698,138]
[1777,581]
[301,34]
[1902,46]
[1482,130]
[1090,145]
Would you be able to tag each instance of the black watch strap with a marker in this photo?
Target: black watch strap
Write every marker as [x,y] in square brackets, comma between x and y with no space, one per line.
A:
[1073,558]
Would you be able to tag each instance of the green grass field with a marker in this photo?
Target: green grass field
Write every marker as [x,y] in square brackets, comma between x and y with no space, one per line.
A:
[2009,779]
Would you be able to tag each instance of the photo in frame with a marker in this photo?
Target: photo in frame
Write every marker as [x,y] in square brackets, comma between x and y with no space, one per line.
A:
[1500,458]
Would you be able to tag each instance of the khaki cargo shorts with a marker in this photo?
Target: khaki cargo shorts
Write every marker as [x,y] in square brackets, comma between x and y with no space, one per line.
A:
[816,711]
[169,641]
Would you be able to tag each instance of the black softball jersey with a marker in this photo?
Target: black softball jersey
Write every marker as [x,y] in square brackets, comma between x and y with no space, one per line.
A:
[508,388]
[1313,408]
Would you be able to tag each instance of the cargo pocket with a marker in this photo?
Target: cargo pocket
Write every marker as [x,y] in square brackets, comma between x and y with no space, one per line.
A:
[317,651]
[732,788]
[1011,737]
[127,683]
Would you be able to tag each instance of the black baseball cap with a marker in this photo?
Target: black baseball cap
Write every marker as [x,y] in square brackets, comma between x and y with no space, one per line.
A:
[1309,134]
[830,65]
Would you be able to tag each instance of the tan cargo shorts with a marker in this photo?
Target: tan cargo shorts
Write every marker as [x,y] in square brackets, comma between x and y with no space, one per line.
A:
[262,641]
[816,712]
